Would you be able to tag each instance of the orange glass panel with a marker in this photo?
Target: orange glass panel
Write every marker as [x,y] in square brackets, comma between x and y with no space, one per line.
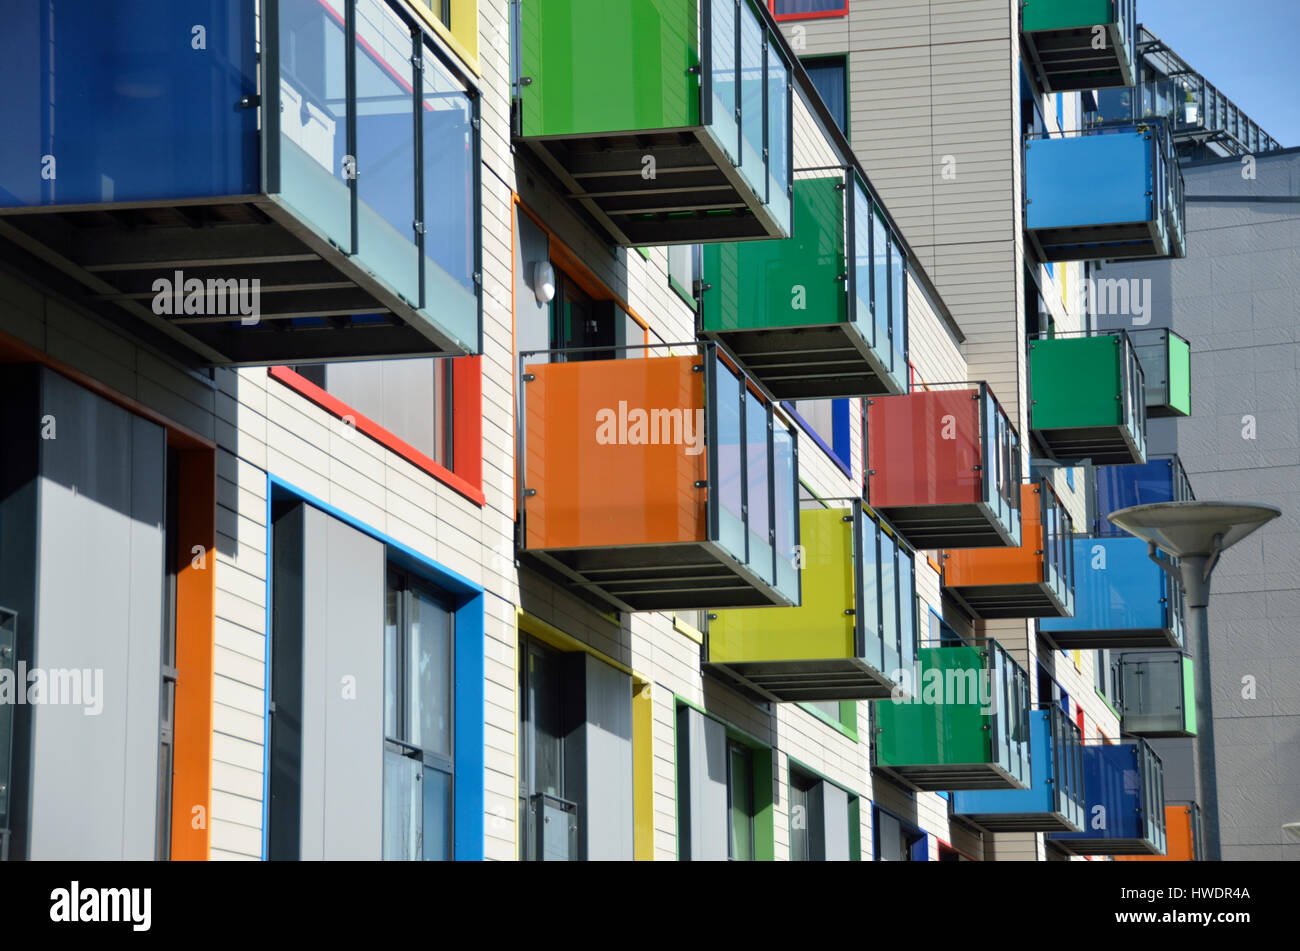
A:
[924,448]
[972,567]
[1180,843]
[614,449]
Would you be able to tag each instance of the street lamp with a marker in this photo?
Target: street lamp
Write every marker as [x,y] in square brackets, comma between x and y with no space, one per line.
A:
[1196,533]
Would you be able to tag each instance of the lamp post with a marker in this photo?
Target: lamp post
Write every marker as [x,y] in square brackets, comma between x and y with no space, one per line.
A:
[1197,533]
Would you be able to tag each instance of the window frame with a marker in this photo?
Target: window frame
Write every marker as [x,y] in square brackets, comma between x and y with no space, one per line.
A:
[840,449]
[841,60]
[814,15]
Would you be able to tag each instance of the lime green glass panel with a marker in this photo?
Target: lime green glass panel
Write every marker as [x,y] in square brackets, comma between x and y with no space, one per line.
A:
[817,629]
[1189,697]
[930,732]
[796,282]
[1066,14]
[1180,375]
[1075,382]
[597,66]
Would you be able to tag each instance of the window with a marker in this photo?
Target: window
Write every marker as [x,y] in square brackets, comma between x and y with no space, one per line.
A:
[740,802]
[830,75]
[809,9]
[548,812]
[823,820]
[827,421]
[418,769]
[167,688]
[897,840]
[685,263]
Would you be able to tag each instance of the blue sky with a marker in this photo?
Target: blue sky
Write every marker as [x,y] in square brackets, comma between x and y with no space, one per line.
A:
[1249,49]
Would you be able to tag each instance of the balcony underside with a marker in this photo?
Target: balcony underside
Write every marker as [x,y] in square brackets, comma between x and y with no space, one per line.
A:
[809,363]
[1067,61]
[953,776]
[686,576]
[1022,822]
[695,197]
[1115,639]
[994,601]
[1104,445]
[1150,733]
[1140,240]
[1107,846]
[315,304]
[806,680]
[928,527]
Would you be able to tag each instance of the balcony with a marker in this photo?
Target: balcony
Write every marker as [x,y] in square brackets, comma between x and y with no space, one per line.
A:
[1054,800]
[1122,599]
[318,203]
[1183,834]
[1166,360]
[1157,694]
[943,466]
[667,122]
[1124,786]
[1032,579]
[1060,36]
[1087,398]
[1111,193]
[823,313]
[658,483]
[965,724]
[1162,479]
[854,632]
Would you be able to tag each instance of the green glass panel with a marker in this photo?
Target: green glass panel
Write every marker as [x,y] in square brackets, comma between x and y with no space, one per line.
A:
[931,731]
[1189,697]
[1075,382]
[1180,375]
[1065,14]
[599,67]
[795,282]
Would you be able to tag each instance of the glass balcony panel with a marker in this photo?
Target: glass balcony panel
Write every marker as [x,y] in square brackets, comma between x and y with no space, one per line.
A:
[1124,786]
[889,615]
[386,212]
[785,467]
[731,473]
[723,74]
[1158,694]
[872,610]
[1118,487]
[1061,36]
[1122,599]
[313,116]
[880,284]
[176,129]
[898,313]
[779,126]
[759,452]
[753,107]
[862,223]
[451,205]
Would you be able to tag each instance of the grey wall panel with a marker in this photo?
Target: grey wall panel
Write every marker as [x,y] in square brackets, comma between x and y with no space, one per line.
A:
[397,394]
[99,614]
[702,786]
[835,823]
[342,743]
[608,741]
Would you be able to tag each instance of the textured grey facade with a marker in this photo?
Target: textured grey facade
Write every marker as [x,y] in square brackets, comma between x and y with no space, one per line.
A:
[1236,298]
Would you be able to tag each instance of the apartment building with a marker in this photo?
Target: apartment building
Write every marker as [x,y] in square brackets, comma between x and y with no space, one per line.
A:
[452,460]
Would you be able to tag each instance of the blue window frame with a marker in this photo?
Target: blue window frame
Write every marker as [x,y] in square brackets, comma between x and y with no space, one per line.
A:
[894,839]
[463,600]
[827,422]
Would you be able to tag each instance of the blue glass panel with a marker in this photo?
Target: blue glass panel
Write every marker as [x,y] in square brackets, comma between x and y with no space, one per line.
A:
[386,210]
[1120,785]
[898,312]
[1117,588]
[1113,170]
[907,610]
[880,286]
[314,170]
[1120,487]
[102,104]
[860,310]
[451,203]
[869,617]
[828,76]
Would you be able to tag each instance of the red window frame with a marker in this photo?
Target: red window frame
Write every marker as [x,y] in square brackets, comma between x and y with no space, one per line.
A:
[818,15]
[467,432]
